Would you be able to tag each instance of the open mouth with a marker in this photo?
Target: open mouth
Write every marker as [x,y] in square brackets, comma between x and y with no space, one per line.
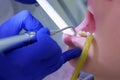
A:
[88,24]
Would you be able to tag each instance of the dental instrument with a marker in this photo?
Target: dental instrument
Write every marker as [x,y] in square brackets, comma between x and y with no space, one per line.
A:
[55,16]
[13,42]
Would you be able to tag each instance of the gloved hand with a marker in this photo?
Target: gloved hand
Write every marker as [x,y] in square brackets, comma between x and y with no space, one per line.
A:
[27,1]
[36,60]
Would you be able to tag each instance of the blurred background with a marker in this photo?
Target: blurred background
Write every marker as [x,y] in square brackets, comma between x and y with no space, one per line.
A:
[72,11]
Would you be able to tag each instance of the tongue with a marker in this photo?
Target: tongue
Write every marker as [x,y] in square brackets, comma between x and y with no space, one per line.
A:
[88,24]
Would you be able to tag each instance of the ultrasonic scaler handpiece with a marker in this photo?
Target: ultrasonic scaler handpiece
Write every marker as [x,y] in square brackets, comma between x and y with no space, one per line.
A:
[10,42]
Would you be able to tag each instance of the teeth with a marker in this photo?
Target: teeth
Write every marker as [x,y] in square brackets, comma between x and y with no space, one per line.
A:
[90,9]
[84,34]
[88,33]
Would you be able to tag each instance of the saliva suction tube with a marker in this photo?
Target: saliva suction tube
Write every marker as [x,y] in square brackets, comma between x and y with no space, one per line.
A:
[83,57]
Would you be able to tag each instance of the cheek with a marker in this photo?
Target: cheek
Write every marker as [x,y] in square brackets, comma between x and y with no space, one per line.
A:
[104,60]
[108,43]
[107,33]
[101,9]
[108,38]
[108,55]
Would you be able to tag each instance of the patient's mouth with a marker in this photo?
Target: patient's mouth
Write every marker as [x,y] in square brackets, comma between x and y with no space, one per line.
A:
[88,24]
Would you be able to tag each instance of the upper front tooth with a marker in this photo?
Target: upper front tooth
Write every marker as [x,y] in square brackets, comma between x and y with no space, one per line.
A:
[84,34]
[90,9]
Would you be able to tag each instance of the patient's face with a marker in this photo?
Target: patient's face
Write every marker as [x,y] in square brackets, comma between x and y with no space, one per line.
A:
[103,18]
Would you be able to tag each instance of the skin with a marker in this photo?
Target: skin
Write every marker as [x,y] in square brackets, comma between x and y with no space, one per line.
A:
[104,54]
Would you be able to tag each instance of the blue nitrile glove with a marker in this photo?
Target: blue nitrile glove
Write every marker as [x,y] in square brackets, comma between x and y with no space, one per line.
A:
[36,60]
[27,1]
